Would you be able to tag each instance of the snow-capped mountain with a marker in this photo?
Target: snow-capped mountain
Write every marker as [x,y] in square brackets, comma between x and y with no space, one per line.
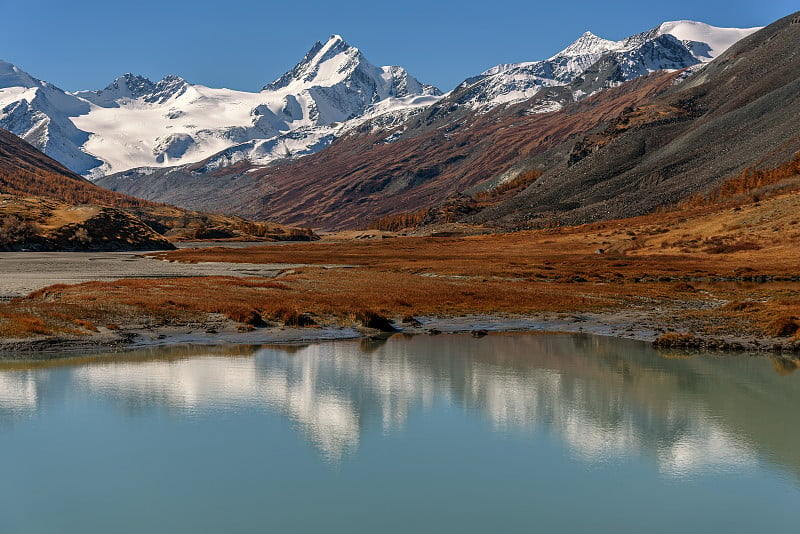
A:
[135,122]
[671,45]
[129,87]
[347,81]
[39,113]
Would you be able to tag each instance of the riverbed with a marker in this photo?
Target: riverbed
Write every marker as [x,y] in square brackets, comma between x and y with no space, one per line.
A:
[24,272]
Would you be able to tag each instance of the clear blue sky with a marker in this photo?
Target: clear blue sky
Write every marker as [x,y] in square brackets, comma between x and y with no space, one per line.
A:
[243,44]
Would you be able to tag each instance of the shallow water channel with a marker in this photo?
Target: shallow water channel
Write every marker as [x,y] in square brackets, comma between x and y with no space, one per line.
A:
[508,433]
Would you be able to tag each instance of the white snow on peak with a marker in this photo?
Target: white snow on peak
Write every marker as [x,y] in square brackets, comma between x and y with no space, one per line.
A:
[588,43]
[717,39]
[135,122]
[688,31]
[669,46]
[13,76]
[39,112]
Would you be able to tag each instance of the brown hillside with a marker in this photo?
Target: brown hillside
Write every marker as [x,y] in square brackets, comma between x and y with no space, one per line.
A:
[28,175]
[719,273]
[740,112]
[26,171]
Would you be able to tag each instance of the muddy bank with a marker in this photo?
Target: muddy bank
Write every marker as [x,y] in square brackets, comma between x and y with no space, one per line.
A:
[626,325]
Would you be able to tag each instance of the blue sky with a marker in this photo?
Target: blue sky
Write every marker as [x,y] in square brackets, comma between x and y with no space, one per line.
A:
[243,44]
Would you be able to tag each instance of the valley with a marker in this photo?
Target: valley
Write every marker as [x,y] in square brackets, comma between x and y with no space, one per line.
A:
[643,188]
[695,277]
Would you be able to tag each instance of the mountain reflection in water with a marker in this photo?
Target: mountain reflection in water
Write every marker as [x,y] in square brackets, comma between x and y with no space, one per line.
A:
[605,398]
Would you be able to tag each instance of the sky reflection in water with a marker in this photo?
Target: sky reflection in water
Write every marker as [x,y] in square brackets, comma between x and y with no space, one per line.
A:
[604,411]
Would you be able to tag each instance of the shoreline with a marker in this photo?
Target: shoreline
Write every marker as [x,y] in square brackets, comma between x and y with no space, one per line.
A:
[622,325]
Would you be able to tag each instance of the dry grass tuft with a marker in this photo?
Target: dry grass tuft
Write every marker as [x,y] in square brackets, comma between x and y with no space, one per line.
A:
[293,318]
[242,315]
[721,246]
[741,306]
[86,325]
[675,340]
[372,319]
[784,327]
[21,325]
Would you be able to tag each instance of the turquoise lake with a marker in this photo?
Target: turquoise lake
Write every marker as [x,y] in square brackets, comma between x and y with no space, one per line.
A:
[508,433]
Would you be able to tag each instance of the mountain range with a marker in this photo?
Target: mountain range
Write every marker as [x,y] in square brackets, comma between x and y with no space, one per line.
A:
[628,149]
[134,122]
[337,142]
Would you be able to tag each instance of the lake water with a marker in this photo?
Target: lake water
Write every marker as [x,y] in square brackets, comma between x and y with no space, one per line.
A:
[508,433]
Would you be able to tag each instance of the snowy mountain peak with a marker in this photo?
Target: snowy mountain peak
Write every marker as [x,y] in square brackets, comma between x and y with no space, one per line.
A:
[343,83]
[672,45]
[128,85]
[170,86]
[335,40]
[134,87]
[588,43]
[715,40]
[13,76]
[323,65]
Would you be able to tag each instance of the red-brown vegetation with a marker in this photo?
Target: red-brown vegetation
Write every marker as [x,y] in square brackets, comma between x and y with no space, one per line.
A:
[554,271]
[752,185]
[399,221]
[16,324]
[784,326]
[72,190]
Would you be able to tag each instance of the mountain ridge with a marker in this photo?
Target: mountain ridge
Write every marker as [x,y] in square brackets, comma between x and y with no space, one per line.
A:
[331,91]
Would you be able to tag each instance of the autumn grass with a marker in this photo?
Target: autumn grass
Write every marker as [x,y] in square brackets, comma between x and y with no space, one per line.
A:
[691,262]
[659,266]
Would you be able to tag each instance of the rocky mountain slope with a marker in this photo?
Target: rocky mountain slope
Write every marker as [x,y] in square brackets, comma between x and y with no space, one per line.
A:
[44,206]
[371,173]
[24,170]
[135,122]
[740,112]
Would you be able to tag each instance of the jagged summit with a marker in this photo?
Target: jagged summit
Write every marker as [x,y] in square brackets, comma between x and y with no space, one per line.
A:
[588,43]
[592,63]
[337,62]
[126,86]
[323,64]
[133,86]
